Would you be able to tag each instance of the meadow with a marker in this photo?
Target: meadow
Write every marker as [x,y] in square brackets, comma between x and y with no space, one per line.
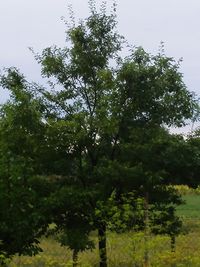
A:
[128,249]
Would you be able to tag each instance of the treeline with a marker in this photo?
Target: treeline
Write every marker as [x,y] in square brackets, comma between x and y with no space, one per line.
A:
[91,151]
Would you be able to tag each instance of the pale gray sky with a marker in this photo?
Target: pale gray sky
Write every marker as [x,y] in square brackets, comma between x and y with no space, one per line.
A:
[37,24]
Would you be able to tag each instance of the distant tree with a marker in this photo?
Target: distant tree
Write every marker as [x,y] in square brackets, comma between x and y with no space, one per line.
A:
[181,159]
[192,160]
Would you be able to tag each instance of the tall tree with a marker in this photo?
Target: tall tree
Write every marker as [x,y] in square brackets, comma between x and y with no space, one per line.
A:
[107,103]
[100,117]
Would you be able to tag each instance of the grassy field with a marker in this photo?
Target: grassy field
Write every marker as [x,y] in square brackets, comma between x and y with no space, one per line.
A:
[191,208]
[127,250]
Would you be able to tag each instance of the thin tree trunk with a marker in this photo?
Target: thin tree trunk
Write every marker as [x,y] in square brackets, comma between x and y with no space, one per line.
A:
[173,247]
[173,243]
[102,246]
[146,229]
[75,258]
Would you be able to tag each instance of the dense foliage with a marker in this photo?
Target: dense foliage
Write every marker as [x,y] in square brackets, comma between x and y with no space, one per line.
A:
[73,154]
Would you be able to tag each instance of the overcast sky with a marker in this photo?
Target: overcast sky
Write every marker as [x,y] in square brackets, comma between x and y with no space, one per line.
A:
[37,24]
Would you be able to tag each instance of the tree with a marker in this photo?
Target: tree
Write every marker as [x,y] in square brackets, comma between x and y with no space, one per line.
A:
[102,118]
[22,218]
[104,107]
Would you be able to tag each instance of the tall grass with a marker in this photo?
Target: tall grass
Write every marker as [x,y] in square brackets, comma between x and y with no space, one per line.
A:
[128,249]
[124,250]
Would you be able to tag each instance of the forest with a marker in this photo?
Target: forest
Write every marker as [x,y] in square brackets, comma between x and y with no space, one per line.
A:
[88,161]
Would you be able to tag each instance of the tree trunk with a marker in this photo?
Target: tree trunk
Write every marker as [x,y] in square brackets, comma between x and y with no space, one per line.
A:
[146,229]
[173,247]
[75,258]
[173,243]
[102,246]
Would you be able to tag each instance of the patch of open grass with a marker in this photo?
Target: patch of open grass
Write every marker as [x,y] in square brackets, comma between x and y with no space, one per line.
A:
[191,208]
